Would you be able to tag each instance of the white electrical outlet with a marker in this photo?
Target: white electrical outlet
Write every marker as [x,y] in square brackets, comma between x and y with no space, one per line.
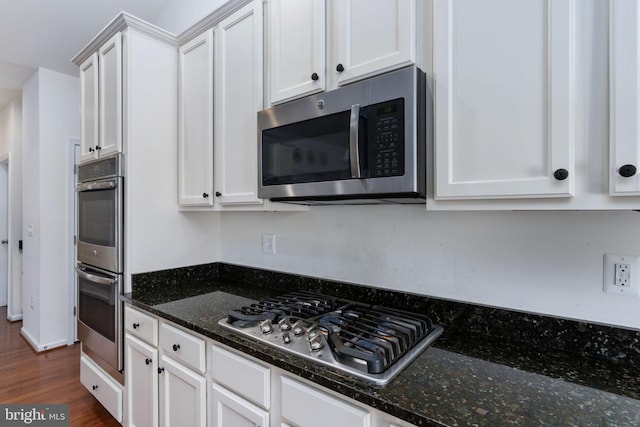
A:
[621,275]
[269,244]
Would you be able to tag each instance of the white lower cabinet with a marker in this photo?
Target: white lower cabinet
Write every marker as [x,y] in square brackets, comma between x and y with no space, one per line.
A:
[162,388]
[183,395]
[307,406]
[141,377]
[230,409]
[241,390]
[105,389]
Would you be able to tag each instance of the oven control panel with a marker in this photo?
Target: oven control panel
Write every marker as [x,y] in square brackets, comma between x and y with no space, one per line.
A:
[387,138]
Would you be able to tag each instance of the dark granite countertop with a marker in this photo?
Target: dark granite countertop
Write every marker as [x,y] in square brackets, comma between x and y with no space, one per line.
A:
[469,376]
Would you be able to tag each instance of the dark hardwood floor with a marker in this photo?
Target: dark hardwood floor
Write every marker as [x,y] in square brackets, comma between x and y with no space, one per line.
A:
[52,377]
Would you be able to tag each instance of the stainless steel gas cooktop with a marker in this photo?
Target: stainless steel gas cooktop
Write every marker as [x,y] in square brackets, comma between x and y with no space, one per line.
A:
[371,342]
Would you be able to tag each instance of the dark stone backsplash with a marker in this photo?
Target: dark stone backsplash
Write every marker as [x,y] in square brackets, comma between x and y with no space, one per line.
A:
[603,342]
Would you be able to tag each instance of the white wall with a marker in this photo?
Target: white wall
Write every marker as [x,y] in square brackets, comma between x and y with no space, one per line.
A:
[51,115]
[30,208]
[544,262]
[11,145]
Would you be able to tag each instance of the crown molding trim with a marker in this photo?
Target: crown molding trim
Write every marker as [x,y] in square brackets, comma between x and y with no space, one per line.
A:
[210,20]
[120,22]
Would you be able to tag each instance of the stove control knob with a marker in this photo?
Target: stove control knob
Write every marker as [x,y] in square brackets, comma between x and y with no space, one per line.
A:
[265,326]
[315,342]
[298,328]
[285,324]
[286,338]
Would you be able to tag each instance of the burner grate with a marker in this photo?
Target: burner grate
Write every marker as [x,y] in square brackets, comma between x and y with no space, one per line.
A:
[372,339]
[296,305]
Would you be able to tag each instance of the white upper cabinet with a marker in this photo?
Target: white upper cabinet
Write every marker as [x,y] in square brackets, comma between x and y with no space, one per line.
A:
[127,81]
[372,37]
[238,98]
[503,98]
[101,89]
[624,157]
[110,94]
[195,124]
[316,45]
[296,40]
[89,106]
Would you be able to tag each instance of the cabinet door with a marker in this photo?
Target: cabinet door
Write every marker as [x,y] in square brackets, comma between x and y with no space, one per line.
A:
[373,36]
[232,410]
[624,74]
[296,47]
[110,62]
[195,142]
[141,377]
[89,107]
[504,101]
[238,99]
[182,396]
[298,398]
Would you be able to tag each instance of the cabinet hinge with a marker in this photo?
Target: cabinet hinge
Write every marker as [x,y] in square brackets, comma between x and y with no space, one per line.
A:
[75,240]
[74,311]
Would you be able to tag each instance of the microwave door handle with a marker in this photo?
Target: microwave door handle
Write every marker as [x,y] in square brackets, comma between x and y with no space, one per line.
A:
[354,152]
[105,185]
[95,279]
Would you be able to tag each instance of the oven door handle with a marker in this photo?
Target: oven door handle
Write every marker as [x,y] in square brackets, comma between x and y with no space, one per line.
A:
[95,278]
[103,185]
[354,151]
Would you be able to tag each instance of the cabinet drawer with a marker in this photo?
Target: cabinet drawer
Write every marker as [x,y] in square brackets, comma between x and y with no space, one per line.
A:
[106,390]
[141,325]
[242,376]
[183,347]
[297,398]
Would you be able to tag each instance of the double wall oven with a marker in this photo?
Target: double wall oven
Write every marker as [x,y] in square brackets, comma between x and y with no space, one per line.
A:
[100,236]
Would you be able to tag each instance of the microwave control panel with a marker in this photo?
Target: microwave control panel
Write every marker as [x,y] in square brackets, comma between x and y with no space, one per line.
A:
[386,156]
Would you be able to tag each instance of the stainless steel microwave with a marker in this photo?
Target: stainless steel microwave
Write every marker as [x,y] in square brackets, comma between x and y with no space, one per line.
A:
[359,143]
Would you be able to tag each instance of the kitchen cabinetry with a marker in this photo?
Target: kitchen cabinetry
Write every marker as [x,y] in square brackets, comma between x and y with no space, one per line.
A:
[101,100]
[363,38]
[141,367]
[504,113]
[89,105]
[232,410]
[519,124]
[297,398]
[162,386]
[106,390]
[221,91]
[241,390]
[195,124]
[238,98]
[624,155]
[297,47]
[141,378]
[182,395]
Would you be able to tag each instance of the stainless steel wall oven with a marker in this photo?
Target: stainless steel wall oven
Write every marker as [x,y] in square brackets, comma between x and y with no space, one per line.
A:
[100,317]
[100,213]
[100,238]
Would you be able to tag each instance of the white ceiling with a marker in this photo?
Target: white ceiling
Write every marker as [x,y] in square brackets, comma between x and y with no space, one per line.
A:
[48,33]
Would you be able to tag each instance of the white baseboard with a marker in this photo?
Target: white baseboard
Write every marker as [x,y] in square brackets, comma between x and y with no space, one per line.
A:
[40,347]
[14,317]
